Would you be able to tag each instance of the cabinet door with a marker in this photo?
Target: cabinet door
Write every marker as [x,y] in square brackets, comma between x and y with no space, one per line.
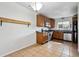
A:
[41,37]
[45,37]
[40,20]
[51,22]
[58,35]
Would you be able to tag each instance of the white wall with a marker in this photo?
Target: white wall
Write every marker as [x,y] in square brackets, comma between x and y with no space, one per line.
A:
[15,36]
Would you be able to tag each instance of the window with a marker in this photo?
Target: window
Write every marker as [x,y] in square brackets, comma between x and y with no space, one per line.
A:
[64,25]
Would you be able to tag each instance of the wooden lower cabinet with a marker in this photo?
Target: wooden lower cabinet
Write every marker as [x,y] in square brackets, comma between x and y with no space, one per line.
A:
[58,35]
[41,37]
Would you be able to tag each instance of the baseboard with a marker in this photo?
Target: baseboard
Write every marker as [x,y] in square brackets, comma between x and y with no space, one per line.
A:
[17,49]
[67,40]
[63,40]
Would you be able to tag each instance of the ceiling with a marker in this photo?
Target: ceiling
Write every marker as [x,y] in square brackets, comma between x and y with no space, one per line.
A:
[55,9]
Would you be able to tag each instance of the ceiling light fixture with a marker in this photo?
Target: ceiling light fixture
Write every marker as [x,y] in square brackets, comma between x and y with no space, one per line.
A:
[36,6]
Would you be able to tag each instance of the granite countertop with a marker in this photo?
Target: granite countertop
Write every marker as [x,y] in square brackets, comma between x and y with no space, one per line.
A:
[65,31]
[53,29]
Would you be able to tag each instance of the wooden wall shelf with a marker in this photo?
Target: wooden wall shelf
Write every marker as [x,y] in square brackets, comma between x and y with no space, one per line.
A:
[8,20]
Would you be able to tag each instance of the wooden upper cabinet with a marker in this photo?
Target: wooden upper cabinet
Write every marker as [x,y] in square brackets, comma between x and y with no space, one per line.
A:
[43,21]
[52,23]
[40,20]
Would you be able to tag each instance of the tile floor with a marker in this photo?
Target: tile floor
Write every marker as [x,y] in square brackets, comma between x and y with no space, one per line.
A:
[50,49]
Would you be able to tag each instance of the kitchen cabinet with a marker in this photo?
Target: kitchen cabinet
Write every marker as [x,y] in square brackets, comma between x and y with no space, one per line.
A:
[53,23]
[58,35]
[50,23]
[41,37]
[41,20]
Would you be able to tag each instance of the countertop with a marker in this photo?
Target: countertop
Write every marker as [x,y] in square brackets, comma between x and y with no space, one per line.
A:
[64,31]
